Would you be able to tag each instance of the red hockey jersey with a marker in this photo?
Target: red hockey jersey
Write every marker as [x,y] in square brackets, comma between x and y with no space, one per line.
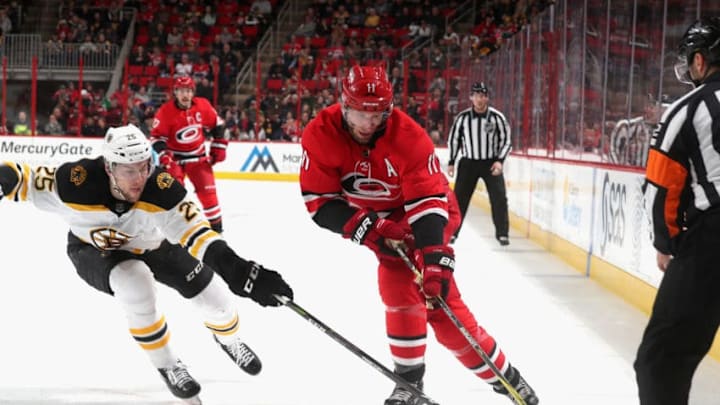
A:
[400,171]
[182,130]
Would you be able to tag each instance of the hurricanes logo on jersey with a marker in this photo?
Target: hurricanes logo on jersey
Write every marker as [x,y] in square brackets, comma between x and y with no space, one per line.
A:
[109,239]
[78,174]
[164,180]
[359,185]
[189,134]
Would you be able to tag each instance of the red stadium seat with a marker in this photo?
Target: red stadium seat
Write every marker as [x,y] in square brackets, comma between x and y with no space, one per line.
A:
[135,70]
[164,82]
[318,42]
[274,85]
[250,31]
[308,84]
[151,70]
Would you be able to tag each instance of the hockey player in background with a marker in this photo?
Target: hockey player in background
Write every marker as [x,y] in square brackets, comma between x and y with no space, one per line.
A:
[370,173]
[178,134]
[131,222]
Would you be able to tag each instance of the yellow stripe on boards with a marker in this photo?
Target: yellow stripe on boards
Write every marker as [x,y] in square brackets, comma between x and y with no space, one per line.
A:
[633,290]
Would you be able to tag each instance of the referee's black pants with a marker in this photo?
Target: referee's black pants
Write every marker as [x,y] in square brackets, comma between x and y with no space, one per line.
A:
[684,319]
[468,173]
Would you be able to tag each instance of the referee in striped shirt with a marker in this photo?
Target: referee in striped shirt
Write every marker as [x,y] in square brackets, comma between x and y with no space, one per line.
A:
[482,135]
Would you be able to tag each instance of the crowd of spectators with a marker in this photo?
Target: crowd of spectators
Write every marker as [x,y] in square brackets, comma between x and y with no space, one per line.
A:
[335,34]
[209,39]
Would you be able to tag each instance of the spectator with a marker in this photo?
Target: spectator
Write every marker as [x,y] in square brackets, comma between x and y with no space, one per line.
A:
[263,7]
[53,126]
[278,70]
[372,20]
[307,28]
[21,127]
[139,56]
[184,67]
[90,128]
[204,88]
[88,45]
[291,127]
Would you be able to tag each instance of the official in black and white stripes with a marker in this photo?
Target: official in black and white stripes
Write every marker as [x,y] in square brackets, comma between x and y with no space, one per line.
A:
[682,199]
[481,134]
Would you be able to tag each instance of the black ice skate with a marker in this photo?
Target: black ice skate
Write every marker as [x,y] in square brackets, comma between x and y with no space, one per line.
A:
[242,355]
[521,386]
[181,383]
[401,396]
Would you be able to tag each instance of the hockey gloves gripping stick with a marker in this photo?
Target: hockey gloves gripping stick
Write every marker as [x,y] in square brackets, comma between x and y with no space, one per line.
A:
[437,264]
[263,286]
[419,395]
[440,301]
[366,228]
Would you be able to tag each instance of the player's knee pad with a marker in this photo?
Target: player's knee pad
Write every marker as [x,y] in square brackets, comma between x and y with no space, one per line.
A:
[133,286]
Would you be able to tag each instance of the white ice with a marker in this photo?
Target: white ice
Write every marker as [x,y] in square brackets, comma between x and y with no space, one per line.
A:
[62,342]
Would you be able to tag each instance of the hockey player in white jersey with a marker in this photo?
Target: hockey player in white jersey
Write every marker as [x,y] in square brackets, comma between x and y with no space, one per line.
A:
[131,222]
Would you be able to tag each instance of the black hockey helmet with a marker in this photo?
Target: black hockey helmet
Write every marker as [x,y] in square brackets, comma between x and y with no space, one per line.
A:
[479,87]
[702,36]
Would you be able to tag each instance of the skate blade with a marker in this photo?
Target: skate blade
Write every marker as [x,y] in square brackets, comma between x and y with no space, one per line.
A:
[193,400]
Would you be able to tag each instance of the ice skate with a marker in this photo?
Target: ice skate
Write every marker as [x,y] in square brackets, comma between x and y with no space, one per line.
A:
[242,355]
[521,386]
[181,383]
[401,396]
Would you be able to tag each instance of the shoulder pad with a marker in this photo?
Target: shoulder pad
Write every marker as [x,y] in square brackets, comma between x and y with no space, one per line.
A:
[163,190]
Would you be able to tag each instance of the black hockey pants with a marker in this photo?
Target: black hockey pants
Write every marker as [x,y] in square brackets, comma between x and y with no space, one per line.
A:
[684,318]
[469,171]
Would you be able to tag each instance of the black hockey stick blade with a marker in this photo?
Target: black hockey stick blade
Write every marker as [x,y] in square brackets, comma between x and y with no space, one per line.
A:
[424,399]
[463,330]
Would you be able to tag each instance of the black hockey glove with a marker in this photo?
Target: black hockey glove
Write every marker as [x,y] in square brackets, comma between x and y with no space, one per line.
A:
[261,285]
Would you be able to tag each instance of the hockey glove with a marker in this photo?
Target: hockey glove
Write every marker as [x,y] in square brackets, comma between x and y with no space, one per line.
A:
[1,193]
[366,228]
[437,264]
[261,285]
[218,149]
[166,161]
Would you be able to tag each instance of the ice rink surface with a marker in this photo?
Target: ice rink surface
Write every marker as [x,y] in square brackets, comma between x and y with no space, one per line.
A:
[62,342]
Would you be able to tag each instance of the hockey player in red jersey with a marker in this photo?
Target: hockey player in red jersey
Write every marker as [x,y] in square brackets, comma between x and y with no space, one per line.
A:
[370,173]
[178,134]
[131,224]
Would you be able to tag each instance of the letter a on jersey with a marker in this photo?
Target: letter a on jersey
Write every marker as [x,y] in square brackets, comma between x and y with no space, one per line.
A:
[390,169]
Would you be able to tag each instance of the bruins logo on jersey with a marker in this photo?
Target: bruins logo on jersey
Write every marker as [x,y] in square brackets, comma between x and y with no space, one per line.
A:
[164,180]
[78,174]
[109,239]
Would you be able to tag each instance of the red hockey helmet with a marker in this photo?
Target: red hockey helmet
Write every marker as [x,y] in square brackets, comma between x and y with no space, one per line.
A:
[367,88]
[184,82]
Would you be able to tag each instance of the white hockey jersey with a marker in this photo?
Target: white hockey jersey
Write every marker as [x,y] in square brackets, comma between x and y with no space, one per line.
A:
[80,193]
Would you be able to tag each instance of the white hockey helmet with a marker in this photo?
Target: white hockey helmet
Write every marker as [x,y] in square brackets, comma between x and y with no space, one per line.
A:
[126,144]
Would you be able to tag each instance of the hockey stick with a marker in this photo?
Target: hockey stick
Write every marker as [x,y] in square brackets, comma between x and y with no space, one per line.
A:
[355,350]
[475,345]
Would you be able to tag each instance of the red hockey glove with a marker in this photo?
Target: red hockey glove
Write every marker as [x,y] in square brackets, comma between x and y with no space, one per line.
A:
[218,149]
[437,264]
[366,228]
[167,162]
